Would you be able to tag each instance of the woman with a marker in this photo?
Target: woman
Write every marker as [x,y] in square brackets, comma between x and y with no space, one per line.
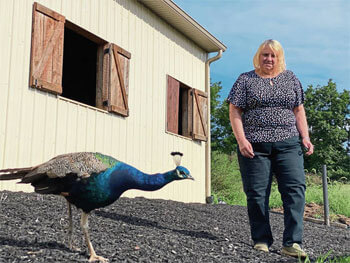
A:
[269,122]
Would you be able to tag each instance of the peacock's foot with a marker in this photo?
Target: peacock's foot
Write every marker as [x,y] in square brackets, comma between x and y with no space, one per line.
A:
[96,258]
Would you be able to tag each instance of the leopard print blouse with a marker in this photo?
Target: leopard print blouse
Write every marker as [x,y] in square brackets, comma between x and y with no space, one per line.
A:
[267,109]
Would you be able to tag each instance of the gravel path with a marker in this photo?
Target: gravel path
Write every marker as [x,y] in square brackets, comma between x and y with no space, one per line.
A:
[33,229]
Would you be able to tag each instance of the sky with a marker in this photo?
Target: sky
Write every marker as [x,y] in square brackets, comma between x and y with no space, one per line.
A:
[315,35]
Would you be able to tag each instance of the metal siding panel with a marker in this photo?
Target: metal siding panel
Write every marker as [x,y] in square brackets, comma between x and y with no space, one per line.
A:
[85,13]
[94,17]
[99,132]
[107,135]
[90,128]
[102,19]
[149,96]
[134,156]
[6,24]
[157,99]
[61,133]
[124,23]
[71,127]
[81,129]
[135,95]
[38,135]
[123,138]
[16,83]
[116,24]
[6,29]
[55,5]
[109,18]
[50,126]
[26,127]
[3,118]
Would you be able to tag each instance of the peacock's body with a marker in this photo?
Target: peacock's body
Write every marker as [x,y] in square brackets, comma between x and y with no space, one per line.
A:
[89,181]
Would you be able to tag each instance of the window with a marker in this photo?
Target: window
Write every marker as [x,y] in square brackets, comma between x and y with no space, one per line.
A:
[69,61]
[79,68]
[186,110]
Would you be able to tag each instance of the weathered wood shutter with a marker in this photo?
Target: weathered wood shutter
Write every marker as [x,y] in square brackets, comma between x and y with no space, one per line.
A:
[200,115]
[115,92]
[47,50]
[173,92]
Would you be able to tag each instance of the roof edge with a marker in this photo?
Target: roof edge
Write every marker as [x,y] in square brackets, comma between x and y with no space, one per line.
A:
[171,12]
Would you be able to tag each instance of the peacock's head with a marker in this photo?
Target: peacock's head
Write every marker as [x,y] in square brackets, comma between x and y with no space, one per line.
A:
[183,173]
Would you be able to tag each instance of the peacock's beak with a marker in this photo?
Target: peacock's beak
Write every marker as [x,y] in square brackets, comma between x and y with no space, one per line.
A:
[190,177]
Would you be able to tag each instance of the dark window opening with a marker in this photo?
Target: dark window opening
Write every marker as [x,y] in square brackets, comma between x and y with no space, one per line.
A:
[184,121]
[79,68]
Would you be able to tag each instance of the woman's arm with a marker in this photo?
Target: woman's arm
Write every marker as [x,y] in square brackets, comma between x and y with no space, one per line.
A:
[302,127]
[245,146]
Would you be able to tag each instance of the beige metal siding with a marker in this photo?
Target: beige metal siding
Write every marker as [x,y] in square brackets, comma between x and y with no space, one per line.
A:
[35,126]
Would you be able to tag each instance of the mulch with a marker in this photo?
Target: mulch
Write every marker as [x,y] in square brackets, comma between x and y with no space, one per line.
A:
[33,229]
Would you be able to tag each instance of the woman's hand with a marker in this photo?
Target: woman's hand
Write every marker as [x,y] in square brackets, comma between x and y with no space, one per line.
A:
[246,148]
[300,117]
[308,145]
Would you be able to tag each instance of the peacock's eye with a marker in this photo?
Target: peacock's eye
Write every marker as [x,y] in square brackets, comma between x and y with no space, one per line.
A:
[179,173]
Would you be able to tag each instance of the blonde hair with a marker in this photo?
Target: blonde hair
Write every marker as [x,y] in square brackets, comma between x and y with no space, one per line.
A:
[277,49]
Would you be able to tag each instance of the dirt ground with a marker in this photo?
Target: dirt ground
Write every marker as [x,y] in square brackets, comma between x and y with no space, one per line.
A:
[33,228]
[316,211]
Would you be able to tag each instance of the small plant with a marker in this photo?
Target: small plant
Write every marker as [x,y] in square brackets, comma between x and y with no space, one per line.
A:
[328,259]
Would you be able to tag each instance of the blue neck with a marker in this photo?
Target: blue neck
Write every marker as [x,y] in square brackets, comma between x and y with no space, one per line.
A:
[125,177]
[152,182]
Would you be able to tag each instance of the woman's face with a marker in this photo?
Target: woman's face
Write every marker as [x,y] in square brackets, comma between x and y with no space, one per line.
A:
[267,60]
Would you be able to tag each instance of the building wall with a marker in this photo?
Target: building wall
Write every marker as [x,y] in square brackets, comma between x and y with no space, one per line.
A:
[36,126]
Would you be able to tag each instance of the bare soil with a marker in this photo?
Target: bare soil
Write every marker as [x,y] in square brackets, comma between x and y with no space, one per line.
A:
[316,211]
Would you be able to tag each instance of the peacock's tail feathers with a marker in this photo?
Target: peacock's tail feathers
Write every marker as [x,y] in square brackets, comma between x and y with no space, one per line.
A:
[177,157]
[15,173]
[83,164]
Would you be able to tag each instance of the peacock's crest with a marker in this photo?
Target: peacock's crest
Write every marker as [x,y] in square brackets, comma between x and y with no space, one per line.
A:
[180,171]
[177,157]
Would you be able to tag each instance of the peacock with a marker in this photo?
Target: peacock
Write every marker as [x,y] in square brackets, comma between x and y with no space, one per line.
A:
[91,180]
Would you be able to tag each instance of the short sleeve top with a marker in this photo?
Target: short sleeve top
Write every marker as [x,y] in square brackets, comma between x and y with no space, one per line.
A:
[267,109]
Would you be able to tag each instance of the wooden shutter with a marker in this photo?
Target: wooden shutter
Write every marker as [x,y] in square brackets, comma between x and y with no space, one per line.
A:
[200,115]
[173,92]
[47,49]
[116,79]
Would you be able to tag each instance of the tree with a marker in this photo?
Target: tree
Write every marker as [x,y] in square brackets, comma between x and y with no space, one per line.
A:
[222,138]
[328,113]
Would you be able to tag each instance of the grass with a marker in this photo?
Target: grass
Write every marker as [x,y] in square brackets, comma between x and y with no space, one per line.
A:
[227,186]
[327,258]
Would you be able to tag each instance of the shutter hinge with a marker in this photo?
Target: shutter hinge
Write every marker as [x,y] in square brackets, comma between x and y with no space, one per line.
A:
[105,103]
[106,51]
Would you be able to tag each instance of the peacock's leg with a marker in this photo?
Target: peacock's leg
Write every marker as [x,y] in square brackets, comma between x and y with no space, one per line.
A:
[85,228]
[70,227]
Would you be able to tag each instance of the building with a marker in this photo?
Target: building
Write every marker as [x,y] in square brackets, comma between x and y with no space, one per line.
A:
[125,78]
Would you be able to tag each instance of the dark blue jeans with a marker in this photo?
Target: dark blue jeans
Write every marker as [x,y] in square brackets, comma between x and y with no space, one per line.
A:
[284,160]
